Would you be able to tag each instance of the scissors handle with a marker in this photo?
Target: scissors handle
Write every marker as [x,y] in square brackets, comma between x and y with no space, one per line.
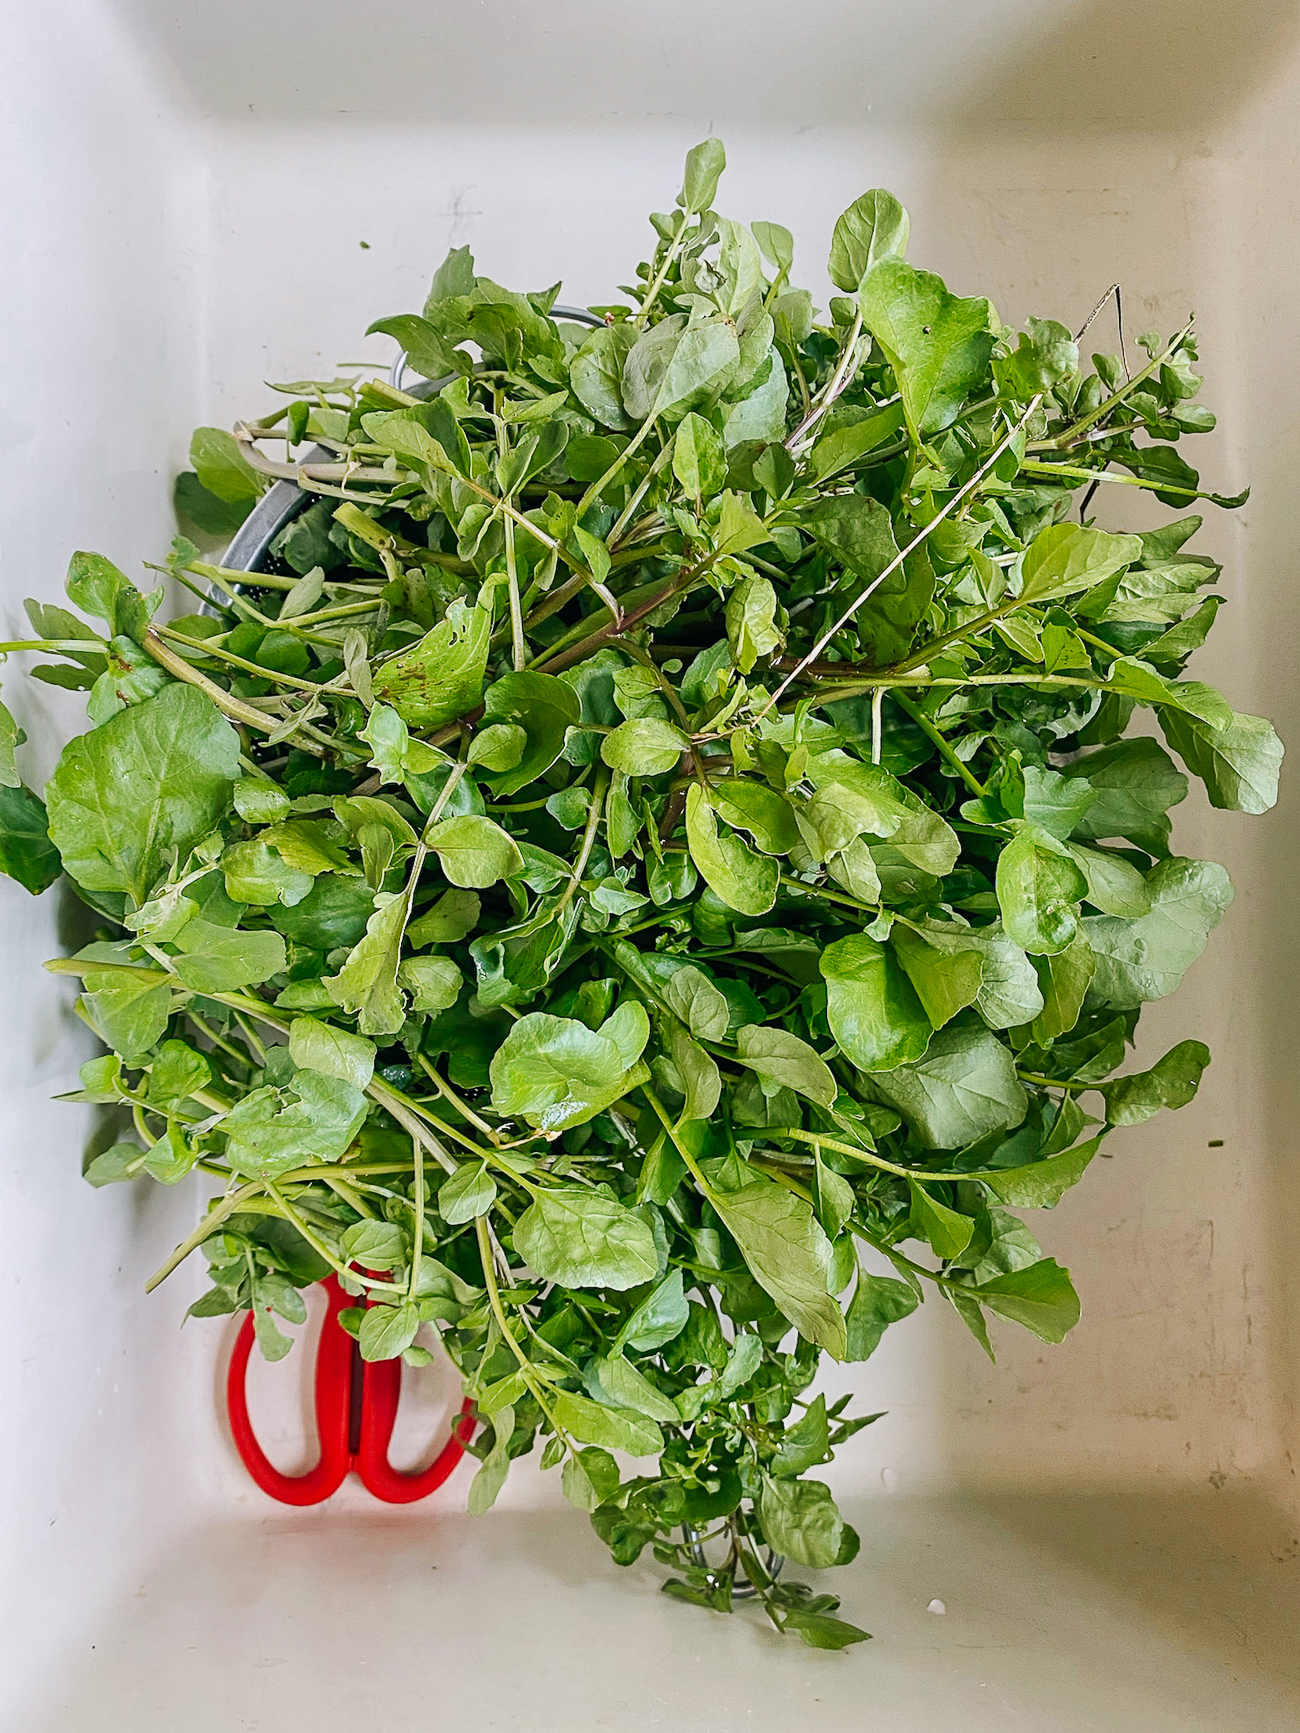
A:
[355,1416]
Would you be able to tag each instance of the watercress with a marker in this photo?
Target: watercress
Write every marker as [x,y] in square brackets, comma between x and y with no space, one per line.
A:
[653,872]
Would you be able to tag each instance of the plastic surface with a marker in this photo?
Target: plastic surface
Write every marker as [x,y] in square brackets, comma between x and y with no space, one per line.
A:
[187,189]
[356,1409]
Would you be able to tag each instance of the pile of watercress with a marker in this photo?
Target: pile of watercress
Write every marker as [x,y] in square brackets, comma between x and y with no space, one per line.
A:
[662,824]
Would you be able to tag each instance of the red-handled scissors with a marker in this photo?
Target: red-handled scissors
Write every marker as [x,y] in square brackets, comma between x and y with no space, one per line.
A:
[356,1408]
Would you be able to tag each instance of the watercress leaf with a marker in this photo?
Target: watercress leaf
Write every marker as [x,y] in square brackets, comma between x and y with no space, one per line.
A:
[1115,886]
[176,1071]
[788,1254]
[646,747]
[486,1485]
[609,1428]
[1065,558]
[874,227]
[387,1331]
[1040,1296]
[937,344]
[801,1521]
[943,966]
[596,375]
[1147,958]
[367,982]
[690,995]
[375,1245]
[858,532]
[704,165]
[699,458]
[441,676]
[546,708]
[804,1445]
[1238,762]
[660,1318]
[877,1302]
[26,852]
[626,1387]
[701,1079]
[585,1239]
[556,1072]
[452,918]
[1009,992]
[948,1232]
[963,1089]
[744,880]
[1171,1082]
[474,852]
[222,467]
[434,983]
[872,1007]
[216,959]
[313,1118]
[1039,887]
[783,1061]
[471,1191]
[332,1051]
[1042,1184]
[753,806]
[1064,979]
[129,1015]
[751,621]
[149,783]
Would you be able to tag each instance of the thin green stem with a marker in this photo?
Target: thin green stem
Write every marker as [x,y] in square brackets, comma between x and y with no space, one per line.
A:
[931,733]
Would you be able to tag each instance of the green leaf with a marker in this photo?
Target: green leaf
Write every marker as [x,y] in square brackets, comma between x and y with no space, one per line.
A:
[874,227]
[858,532]
[545,708]
[596,375]
[175,1073]
[704,165]
[1238,763]
[699,458]
[425,349]
[434,983]
[937,344]
[1147,958]
[804,1445]
[788,1254]
[801,1521]
[130,1015]
[367,982]
[872,1007]
[626,1387]
[470,1192]
[1115,886]
[486,1485]
[332,1051]
[1064,558]
[1039,887]
[222,467]
[610,1428]
[556,1072]
[963,1089]
[944,967]
[148,785]
[646,747]
[387,1331]
[843,448]
[1064,979]
[753,806]
[783,1061]
[948,1232]
[877,1302]
[26,852]
[744,880]
[1171,1082]
[375,1245]
[1045,353]
[473,851]
[203,511]
[582,1239]
[1042,1184]
[449,920]
[690,995]
[1009,992]
[671,361]
[1040,1296]
[215,959]
[441,676]
[313,1118]
[1134,782]
[660,1318]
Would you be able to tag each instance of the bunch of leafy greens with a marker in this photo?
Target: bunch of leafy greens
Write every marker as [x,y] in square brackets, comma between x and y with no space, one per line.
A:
[661,829]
